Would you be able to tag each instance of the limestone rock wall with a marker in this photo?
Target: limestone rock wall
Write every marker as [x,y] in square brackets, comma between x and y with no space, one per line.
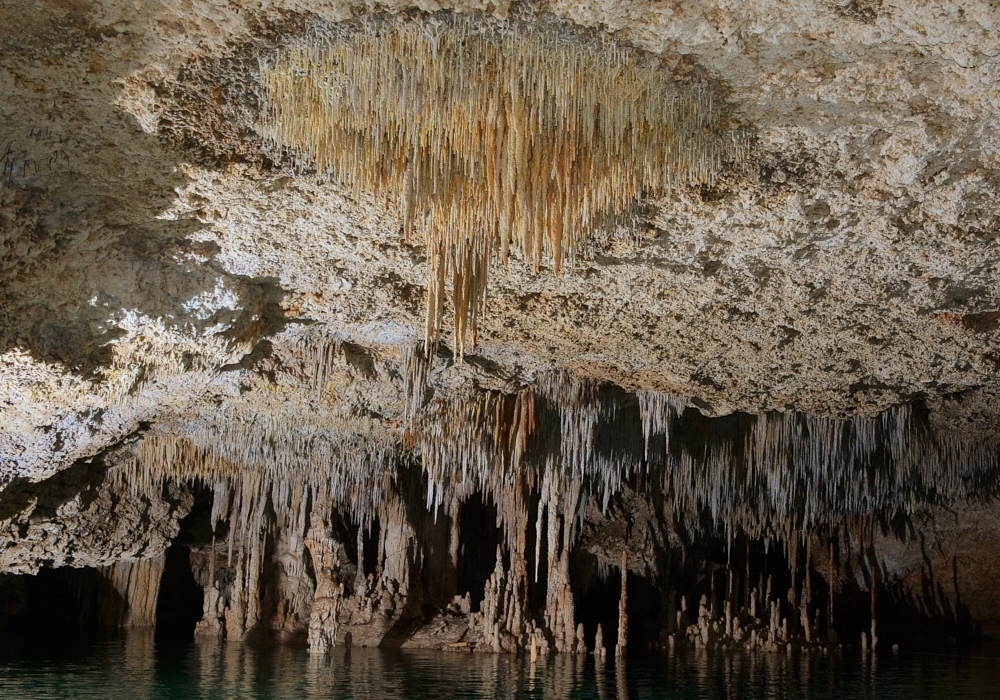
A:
[86,517]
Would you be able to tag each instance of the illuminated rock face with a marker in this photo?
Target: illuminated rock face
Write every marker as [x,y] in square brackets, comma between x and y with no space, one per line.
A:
[794,348]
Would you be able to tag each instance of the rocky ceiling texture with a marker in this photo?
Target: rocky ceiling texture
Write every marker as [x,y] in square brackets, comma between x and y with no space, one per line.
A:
[157,259]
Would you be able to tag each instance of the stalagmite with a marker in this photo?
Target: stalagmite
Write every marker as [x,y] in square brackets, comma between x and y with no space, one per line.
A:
[503,624]
[804,619]
[599,650]
[562,495]
[712,596]
[623,608]
[704,622]
[212,623]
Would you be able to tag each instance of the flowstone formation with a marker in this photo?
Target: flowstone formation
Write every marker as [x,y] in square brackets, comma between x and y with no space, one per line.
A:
[753,404]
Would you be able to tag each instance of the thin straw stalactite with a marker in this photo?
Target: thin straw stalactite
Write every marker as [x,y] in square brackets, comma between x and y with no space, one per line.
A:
[491,135]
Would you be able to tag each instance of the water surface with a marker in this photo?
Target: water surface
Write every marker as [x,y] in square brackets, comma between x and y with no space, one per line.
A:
[138,669]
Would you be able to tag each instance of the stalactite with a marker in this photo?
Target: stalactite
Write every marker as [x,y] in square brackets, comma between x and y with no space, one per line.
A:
[244,612]
[318,359]
[658,411]
[416,368]
[359,579]
[133,590]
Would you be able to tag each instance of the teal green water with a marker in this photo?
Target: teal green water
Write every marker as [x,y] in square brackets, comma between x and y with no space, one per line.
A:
[137,669]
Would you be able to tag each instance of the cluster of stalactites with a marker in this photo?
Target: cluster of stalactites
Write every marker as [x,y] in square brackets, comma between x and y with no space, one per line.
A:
[318,358]
[489,136]
[659,410]
[605,459]
[500,443]
[416,371]
[477,443]
[785,471]
[568,442]
[260,457]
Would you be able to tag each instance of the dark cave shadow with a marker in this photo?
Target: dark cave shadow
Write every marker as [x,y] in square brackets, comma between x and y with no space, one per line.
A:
[410,621]
[81,480]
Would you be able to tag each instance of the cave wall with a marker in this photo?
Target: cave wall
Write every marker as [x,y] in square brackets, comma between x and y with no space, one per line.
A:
[184,306]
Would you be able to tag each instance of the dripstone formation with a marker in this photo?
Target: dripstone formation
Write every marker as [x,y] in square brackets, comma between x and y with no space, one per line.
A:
[577,328]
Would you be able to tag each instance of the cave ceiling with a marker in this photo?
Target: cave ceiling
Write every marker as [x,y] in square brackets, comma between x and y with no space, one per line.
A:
[162,264]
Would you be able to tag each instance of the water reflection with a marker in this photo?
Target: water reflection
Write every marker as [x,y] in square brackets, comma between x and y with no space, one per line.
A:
[137,668]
